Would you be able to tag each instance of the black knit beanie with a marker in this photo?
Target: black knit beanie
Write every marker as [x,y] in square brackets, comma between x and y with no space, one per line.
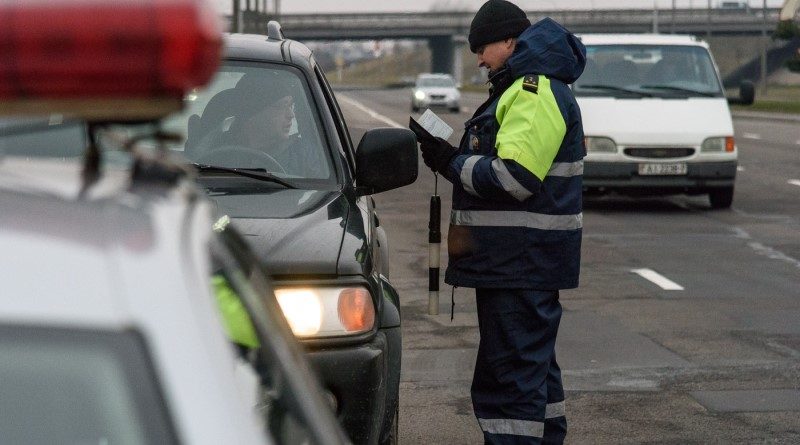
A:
[496,20]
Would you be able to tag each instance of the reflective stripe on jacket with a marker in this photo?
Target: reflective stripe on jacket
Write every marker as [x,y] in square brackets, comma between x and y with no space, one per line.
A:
[517,184]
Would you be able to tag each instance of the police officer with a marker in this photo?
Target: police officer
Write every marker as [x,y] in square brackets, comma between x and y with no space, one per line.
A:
[515,228]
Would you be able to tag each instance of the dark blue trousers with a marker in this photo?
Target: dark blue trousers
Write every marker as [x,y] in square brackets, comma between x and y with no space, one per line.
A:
[517,394]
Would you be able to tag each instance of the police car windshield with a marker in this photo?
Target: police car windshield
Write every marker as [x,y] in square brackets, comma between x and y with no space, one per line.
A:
[255,116]
[101,391]
[658,70]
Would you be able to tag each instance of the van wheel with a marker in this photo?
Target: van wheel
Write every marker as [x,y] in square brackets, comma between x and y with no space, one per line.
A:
[721,198]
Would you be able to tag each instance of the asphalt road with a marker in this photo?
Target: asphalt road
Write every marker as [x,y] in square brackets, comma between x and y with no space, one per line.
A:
[716,361]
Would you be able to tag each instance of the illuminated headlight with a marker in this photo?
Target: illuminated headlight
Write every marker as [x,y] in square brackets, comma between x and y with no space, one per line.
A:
[600,145]
[327,311]
[718,145]
[419,95]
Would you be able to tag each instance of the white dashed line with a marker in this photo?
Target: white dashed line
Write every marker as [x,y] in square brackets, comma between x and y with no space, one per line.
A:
[660,280]
[755,136]
[739,168]
[374,114]
[794,181]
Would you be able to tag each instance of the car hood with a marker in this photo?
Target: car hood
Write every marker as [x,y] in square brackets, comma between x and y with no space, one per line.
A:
[656,121]
[292,231]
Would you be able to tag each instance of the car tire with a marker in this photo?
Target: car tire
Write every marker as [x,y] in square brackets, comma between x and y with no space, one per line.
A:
[455,109]
[394,433]
[415,109]
[721,198]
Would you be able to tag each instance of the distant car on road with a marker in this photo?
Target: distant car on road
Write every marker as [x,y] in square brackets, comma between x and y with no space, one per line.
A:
[273,152]
[435,90]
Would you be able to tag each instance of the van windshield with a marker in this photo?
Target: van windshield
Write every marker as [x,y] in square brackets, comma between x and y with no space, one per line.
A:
[648,70]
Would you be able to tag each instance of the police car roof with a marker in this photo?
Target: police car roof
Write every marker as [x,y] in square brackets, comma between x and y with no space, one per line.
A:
[641,39]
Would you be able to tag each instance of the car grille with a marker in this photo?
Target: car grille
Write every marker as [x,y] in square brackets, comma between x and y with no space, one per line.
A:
[659,152]
[437,96]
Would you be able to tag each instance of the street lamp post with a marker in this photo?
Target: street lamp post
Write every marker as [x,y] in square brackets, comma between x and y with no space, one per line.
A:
[764,47]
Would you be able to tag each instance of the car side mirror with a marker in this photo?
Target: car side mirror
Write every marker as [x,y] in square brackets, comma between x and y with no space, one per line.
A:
[386,158]
[747,94]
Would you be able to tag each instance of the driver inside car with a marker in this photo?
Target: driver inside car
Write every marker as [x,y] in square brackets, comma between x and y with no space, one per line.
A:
[260,131]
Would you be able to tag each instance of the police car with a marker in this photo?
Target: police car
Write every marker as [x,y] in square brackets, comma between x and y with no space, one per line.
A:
[109,330]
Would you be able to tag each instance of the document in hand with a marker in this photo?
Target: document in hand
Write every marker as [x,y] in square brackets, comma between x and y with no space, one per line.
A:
[429,126]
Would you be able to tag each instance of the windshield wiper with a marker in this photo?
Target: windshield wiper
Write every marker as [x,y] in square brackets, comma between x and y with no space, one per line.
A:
[613,88]
[683,90]
[254,173]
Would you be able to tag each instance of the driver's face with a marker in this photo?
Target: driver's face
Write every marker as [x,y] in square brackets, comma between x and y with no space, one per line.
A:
[274,121]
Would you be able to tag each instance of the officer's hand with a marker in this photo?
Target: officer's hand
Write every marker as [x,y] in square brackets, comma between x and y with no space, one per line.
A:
[437,154]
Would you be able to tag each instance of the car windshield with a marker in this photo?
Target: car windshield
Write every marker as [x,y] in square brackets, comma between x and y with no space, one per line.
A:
[648,70]
[256,116]
[72,386]
[442,82]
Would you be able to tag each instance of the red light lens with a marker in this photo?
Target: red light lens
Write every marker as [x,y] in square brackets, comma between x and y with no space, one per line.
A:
[61,49]
[356,311]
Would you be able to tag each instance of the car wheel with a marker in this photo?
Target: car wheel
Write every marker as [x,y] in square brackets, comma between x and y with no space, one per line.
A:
[415,109]
[721,198]
[394,433]
[455,109]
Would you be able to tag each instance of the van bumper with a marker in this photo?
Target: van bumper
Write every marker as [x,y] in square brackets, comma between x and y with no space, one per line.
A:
[701,177]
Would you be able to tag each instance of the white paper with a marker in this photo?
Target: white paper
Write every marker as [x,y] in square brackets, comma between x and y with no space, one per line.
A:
[435,125]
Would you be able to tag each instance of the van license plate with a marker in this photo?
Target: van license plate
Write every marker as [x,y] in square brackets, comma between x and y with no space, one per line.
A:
[663,169]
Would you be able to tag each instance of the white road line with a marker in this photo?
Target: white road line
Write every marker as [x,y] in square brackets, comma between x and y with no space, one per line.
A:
[755,136]
[794,181]
[374,114]
[660,280]
[739,168]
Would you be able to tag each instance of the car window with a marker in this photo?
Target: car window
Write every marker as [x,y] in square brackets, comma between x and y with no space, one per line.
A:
[103,390]
[653,69]
[42,137]
[442,82]
[255,116]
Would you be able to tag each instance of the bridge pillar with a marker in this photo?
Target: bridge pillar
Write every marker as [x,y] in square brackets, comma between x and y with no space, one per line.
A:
[459,42]
[442,54]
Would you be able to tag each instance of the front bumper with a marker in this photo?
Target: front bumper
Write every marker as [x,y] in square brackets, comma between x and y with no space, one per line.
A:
[449,103]
[624,177]
[364,379]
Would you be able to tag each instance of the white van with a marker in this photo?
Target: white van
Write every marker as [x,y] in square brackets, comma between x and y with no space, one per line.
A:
[656,118]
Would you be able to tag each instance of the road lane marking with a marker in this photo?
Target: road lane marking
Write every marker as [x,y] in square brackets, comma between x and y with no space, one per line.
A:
[660,280]
[766,251]
[794,181]
[755,136]
[374,114]
[740,168]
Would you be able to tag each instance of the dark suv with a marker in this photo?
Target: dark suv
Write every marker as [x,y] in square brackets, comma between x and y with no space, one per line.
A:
[273,152]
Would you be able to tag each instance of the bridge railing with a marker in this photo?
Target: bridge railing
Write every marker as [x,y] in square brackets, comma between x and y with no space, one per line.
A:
[422,24]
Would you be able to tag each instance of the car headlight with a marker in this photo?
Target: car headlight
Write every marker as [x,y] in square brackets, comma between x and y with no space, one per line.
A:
[600,145]
[327,311]
[718,144]
[419,95]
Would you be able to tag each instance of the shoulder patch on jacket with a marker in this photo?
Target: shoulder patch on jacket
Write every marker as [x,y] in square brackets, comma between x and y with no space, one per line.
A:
[531,83]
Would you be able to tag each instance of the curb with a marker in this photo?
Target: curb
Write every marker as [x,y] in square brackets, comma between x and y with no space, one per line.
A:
[784,117]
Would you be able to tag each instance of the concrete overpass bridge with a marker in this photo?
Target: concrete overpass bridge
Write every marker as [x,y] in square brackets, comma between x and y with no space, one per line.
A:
[446,31]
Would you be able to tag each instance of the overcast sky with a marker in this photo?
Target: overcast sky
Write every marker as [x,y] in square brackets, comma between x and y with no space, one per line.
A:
[331,6]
